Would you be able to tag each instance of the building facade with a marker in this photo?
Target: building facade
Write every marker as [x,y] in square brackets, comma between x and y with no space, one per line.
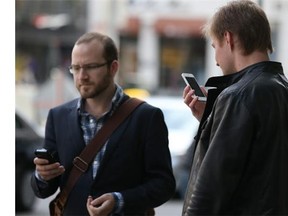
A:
[158,39]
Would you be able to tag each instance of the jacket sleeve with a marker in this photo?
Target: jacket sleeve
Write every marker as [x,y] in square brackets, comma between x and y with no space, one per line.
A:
[224,146]
[41,189]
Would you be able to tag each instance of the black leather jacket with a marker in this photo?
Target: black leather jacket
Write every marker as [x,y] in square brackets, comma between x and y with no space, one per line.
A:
[240,165]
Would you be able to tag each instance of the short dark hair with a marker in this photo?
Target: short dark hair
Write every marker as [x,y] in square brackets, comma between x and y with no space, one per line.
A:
[247,20]
[110,50]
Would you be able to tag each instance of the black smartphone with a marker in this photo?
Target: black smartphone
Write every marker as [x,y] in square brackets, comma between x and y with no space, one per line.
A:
[45,154]
[192,82]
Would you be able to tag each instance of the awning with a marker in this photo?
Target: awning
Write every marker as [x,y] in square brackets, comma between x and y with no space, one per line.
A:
[179,27]
[168,27]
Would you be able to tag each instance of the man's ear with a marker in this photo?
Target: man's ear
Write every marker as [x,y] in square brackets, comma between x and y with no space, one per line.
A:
[114,67]
[229,39]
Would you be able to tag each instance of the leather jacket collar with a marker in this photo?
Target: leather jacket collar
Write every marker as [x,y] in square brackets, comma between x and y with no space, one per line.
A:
[218,83]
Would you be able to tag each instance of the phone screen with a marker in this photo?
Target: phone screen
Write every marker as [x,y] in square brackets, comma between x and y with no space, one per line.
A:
[194,85]
[43,153]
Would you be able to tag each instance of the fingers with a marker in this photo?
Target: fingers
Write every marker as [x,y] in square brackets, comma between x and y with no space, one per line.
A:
[40,161]
[48,171]
[191,100]
[188,95]
[186,90]
[104,199]
[89,206]
[48,174]
[102,205]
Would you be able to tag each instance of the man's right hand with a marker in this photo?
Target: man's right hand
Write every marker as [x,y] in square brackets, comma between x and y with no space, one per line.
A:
[191,100]
[48,171]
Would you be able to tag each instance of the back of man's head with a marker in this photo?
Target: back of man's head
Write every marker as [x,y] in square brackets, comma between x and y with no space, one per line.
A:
[247,21]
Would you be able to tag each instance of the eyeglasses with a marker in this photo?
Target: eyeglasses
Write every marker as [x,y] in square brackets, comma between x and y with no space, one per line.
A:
[74,69]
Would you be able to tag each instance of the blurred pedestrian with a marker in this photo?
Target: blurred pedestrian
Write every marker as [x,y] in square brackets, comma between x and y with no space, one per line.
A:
[240,165]
[132,172]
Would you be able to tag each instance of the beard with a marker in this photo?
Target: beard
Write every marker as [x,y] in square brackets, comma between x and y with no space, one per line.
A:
[90,89]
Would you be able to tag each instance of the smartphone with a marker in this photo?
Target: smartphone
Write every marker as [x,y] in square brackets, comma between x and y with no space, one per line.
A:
[45,154]
[192,82]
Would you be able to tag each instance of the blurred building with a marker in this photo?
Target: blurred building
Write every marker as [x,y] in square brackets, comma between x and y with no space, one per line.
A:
[158,39]
[45,33]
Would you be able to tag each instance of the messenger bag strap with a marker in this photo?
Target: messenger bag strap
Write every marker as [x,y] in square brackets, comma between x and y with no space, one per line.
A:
[81,162]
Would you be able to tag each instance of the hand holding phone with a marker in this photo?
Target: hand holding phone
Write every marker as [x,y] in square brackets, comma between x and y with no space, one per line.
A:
[45,154]
[192,82]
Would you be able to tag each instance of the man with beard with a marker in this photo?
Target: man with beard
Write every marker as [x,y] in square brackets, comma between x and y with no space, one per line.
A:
[132,171]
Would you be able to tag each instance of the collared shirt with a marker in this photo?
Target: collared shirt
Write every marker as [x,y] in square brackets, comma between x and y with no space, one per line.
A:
[90,126]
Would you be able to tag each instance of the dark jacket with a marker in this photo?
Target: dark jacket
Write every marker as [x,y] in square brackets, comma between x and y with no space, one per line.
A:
[240,165]
[137,161]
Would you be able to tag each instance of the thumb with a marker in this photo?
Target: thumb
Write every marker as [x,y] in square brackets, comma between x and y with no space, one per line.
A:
[89,200]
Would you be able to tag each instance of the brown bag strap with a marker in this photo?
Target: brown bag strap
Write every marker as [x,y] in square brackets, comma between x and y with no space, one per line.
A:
[81,162]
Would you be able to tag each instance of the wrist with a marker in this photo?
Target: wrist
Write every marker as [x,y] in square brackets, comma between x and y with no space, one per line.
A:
[119,202]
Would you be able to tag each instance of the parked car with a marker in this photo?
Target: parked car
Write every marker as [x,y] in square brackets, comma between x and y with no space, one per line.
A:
[27,139]
[182,128]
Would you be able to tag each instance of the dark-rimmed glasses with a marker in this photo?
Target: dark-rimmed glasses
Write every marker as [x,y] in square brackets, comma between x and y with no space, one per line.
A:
[74,69]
